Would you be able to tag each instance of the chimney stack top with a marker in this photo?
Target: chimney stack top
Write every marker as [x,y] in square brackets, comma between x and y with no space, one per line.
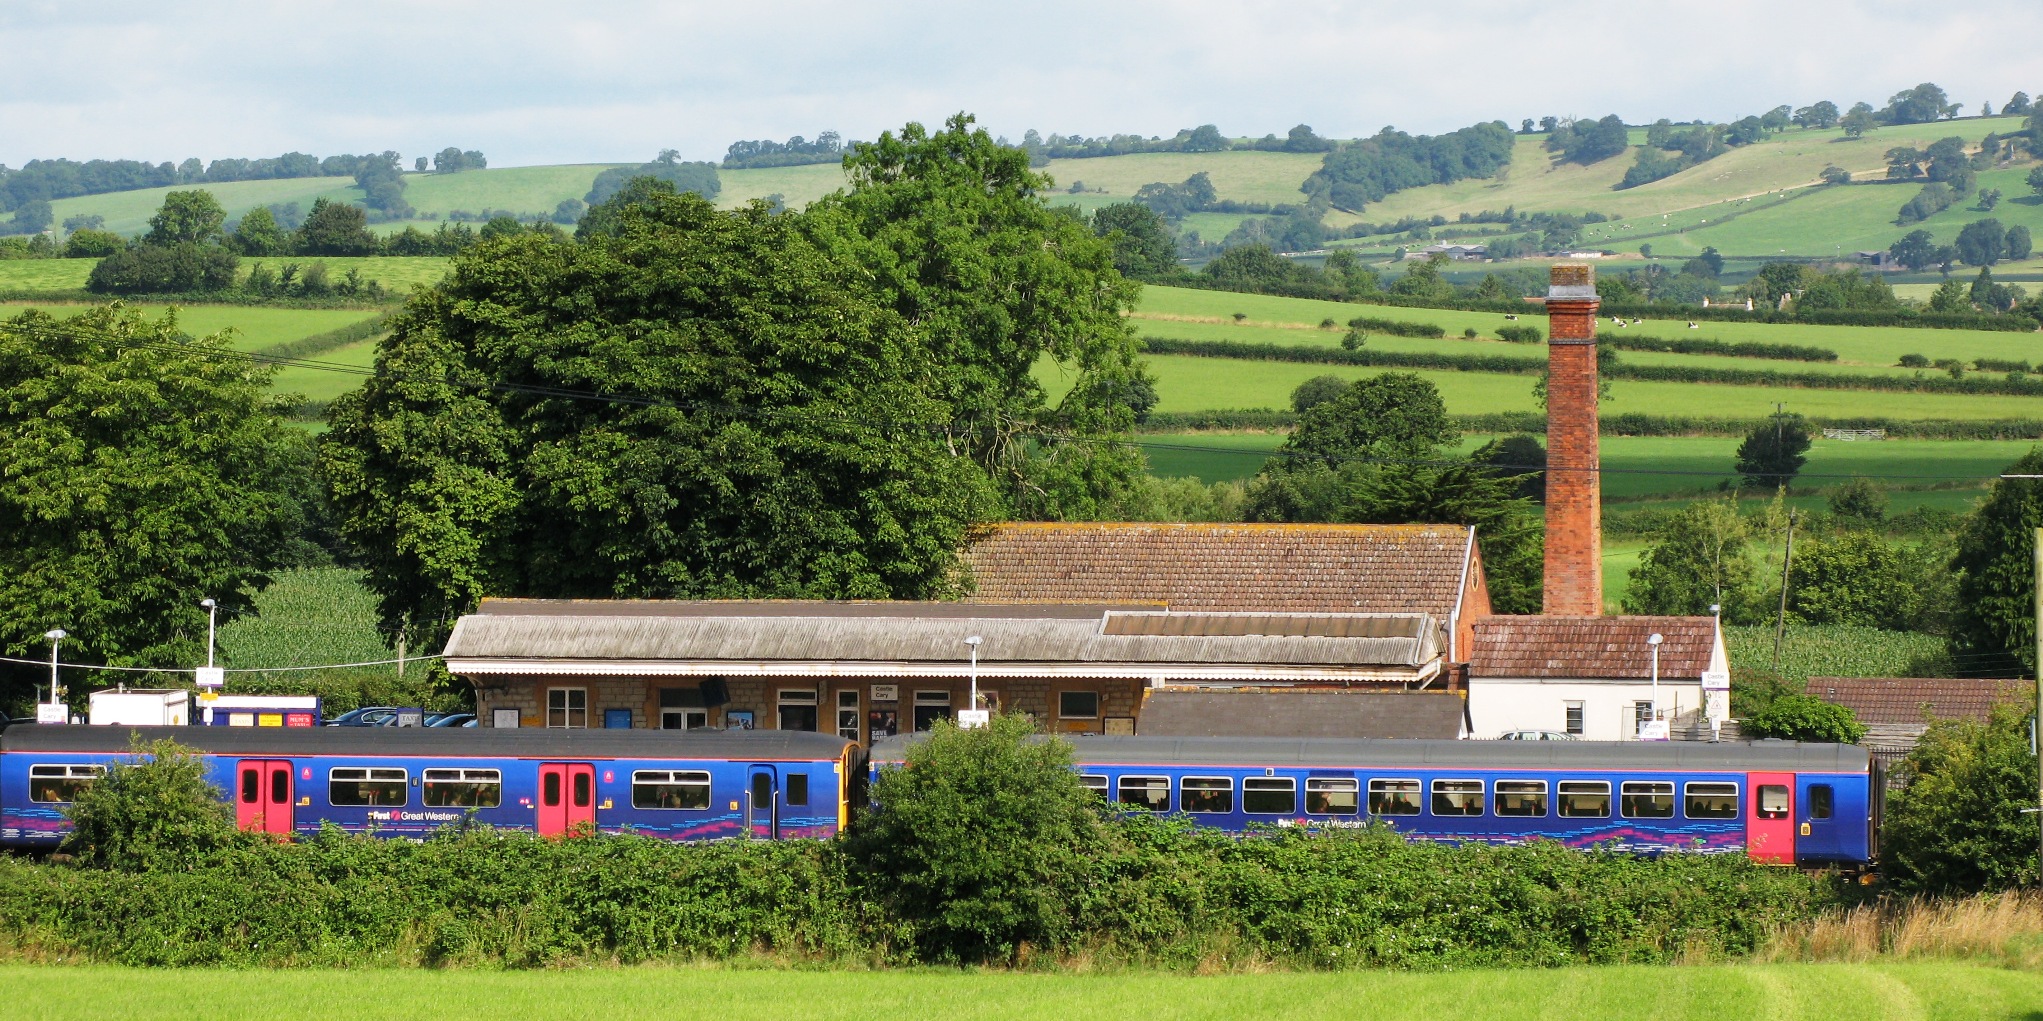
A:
[1571,281]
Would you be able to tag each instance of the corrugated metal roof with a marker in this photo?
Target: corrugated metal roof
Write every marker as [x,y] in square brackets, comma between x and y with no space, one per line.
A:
[900,640]
[796,608]
[1288,625]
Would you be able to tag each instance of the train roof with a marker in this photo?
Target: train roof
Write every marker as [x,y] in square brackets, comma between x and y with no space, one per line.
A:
[1783,756]
[516,743]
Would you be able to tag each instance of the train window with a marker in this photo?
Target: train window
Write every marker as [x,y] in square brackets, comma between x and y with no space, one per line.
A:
[1457,797]
[1206,795]
[1521,797]
[280,787]
[584,789]
[371,786]
[549,790]
[1711,800]
[462,788]
[1331,796]
[1773,801]
[1150,792]
[251,785]
[659,788]
[1822,801]
[1095,783]
[1393,797]
[54,784]
[1269,795]
[1584,799]
[1647,799]
[797,790]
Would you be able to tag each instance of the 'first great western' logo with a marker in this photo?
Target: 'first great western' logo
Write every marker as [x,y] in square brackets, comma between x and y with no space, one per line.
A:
[396,816]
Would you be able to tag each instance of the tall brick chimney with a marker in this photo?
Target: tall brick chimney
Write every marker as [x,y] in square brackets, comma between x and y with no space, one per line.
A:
[1574,502]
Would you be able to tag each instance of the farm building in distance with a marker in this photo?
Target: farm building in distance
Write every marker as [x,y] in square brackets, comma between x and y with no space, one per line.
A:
[1590,677]
[1898,710]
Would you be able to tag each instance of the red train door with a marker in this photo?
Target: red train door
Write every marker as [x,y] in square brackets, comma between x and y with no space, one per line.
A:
[567,797]
[1770,817]
[264,796]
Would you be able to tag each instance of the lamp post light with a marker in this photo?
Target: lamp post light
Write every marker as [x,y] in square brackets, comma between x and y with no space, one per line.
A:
[974,643]
[1653,642]
[55,635]
[212,627]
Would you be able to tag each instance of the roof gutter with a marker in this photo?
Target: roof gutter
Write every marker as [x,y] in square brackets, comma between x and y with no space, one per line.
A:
[1147,672]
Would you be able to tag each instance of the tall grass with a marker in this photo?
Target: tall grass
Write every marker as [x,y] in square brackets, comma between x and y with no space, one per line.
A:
[2003,927]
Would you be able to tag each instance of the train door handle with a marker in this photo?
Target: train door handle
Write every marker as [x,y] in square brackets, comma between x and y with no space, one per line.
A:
[1805,829]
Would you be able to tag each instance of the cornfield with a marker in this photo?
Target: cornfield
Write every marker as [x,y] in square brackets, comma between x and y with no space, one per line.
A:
[1836,650]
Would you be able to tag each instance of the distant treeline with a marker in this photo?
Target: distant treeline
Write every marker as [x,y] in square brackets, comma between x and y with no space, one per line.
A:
[797,151]
[49,180]
[1391,161]
[1626,424]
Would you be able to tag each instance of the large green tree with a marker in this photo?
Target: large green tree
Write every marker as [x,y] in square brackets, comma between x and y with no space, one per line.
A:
[145,471]
[1143,245]
[1698,560]
[1996,610]
[1773,453]
[336,228]
[186,217]
[1955,820]
[995,282]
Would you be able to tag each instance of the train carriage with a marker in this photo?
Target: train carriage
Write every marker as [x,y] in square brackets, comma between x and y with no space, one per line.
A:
[405,782]
[1779,802]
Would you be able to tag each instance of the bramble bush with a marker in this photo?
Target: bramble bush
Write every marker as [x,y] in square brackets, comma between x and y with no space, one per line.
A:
[986,849]
[152,811]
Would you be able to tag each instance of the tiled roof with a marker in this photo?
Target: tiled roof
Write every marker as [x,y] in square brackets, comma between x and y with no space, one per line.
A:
[1288,713]
[1594,647]
[1906,700]
[1279,568]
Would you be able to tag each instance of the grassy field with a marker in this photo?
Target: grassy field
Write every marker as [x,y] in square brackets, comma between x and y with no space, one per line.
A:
[322,385]
[1241,176]
[519,189]
[1855,345]
[1641,467]
[255,327]
[128,212]
[1815,992]
[398,273]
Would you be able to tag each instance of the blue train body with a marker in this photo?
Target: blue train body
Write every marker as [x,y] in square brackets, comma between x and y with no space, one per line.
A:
[1779,802]
[695,785]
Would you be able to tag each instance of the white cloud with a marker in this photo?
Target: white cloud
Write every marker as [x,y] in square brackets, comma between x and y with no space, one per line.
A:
[532,82]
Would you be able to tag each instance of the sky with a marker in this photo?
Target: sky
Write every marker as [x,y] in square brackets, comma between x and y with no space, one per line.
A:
[617,80]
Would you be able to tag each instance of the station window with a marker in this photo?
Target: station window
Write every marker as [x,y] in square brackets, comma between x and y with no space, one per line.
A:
[1331,795]
[1206,795]
[1521,797]
[1393,797]
[1150,792]
[462,788]
[352,785]
[60,783]
[1773,801]
[1269,795]
[1457,797]
[1647,799]
[1095,783]
[1822,801]
[660,788]
[931,706]
[1573,718]
[567,707]
[1710,800]
[1584,799]
[797,709]
[1078,705]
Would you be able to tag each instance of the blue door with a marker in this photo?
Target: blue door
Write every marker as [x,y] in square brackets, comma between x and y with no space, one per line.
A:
[762,803]
[1819,836]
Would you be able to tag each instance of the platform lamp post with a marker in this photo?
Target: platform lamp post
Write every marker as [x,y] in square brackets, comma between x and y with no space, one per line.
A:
[212,627]
[55,635]
[974,643]
[1653,642]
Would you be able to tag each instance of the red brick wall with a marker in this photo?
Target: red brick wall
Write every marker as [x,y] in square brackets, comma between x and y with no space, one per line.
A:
[1574,528]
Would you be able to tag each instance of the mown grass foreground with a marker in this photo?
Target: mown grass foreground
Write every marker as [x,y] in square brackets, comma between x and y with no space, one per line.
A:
[1816,992]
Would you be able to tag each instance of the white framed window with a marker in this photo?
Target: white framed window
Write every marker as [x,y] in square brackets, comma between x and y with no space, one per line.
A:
[797,708]
[1269,795]
[1332,795]
[931,706]
[567,707]
[1393,797]
[1150,792]
[1206,795]
[371,786]
[57,784]
[1457,797]
[1095,783]
[462,788]
[1646,799]
[849,714]
[1521,797]
[670,789]
[1574,714]
[1584,799]
[1642,714]
[1710,800]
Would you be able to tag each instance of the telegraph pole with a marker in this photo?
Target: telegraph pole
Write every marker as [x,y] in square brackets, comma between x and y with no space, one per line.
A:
[2036,728]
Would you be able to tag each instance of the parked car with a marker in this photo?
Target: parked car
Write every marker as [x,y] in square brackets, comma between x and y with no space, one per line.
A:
[366,716]
[452,720]
[1537,735]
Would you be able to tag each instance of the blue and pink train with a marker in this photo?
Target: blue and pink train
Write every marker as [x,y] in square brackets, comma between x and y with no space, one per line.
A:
[408,782]
[1812,805]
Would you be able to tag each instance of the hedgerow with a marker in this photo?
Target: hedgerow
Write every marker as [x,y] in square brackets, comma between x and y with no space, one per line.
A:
[1700,346]
[1396,327]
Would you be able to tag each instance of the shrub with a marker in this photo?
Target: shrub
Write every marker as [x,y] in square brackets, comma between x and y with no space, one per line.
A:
[154,811]
[1914,362]
[1396,327]
[1520,334]
[93,244]
[1954,813]
[163,269]
[979,843]
[1805,718]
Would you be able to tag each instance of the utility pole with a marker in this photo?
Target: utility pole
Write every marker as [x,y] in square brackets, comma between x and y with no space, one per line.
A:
[1781,627]
[2036,729]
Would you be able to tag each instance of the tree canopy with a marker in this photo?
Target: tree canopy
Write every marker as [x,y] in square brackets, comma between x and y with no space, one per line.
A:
[1996,610]
[687,402]
[1773,453]
[147,471]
